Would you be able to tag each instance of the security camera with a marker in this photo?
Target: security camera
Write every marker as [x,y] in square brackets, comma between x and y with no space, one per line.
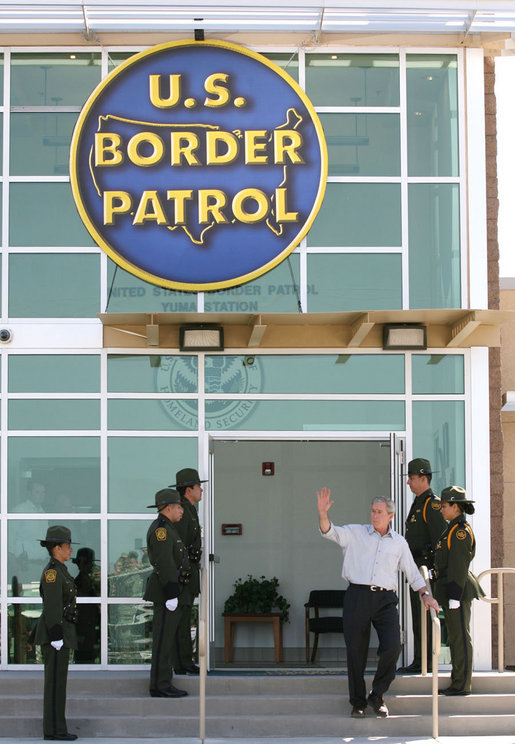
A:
[5,336]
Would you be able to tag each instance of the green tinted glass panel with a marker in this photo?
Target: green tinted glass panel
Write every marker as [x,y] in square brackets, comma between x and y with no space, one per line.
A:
[116,58]
[54,373]
[437,373]
[352,79]
[434,245]
[306,415]
[54,414]
[53,79]
[128,294]
[54,220]
[53,474]
[363,144]
[345,216]
[306,373]
[2,132]
[276,291]
[129,634]
[27,559]
[40,143]
[354,281]
[23,619]
[432,101]
[138,467]
[152,415]
[129,566]
[152,374]
[287,62]
[439,435]
[58,285]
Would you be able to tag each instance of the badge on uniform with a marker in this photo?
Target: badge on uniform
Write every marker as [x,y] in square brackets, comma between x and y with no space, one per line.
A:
[436,505]
[461,534]
[50,576]
[161,534]
[413,519]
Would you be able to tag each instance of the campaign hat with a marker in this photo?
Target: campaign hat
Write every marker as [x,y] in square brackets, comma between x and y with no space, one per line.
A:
[55,535]
[457,495]
[187,477]
[164,497]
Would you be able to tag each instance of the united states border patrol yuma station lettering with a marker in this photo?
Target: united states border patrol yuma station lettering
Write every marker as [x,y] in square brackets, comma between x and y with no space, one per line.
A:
[198,165]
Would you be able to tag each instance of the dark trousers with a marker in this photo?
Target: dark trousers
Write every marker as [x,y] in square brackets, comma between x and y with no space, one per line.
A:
[183,649]
[164,631]
[363,608]
[54,693]
[460,644]
[417,631]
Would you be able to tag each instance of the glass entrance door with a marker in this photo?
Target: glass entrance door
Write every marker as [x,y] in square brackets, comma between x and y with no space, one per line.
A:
[264,524]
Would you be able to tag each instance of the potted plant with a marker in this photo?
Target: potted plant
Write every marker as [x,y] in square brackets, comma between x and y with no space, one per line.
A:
[257,596]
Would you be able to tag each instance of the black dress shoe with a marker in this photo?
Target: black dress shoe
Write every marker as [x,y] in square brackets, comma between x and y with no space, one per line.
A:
[452,692]
[412,668]
[378,704]
[60,737]
[179,671]
[170,692]
[192,669]
[357,712]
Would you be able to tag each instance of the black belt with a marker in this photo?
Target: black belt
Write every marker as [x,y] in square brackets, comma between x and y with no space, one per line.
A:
[372,587]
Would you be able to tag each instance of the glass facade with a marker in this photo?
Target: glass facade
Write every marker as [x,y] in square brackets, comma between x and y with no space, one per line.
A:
[89,435]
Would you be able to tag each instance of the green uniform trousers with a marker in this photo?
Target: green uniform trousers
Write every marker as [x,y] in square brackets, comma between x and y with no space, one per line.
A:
[54,695]
[183,650]
[164,633]
[460,645]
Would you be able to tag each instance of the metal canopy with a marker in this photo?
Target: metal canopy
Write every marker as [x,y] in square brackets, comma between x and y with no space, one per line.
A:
[90,17]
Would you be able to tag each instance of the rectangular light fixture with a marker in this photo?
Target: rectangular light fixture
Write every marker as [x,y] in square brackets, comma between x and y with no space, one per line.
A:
[201,337]
[404,336]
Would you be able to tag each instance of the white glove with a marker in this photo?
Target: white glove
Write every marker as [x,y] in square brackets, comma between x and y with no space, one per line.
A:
[454,604]
[57,644]
[171,604]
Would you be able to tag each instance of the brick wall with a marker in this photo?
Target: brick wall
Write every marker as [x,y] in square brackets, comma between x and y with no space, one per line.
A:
[496,436]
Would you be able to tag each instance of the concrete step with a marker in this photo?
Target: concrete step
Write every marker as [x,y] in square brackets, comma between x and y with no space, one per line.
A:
[107,704]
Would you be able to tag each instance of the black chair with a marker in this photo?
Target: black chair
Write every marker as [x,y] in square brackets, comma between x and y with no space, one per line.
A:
[323,599]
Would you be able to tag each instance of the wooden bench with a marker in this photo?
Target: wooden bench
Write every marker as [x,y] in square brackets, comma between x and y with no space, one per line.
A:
[249,617]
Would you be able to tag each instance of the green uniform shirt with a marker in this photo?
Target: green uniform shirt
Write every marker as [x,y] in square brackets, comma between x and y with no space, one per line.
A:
[57,588]
[189,530]
[453,554]
[424,526]
[168,556]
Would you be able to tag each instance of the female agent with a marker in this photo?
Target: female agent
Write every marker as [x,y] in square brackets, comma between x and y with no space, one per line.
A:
[55,631]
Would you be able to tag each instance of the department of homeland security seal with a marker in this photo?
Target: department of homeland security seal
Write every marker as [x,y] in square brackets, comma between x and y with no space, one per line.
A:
[198,165]
[223,374]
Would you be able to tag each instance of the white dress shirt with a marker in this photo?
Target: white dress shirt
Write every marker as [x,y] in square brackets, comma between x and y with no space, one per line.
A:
[374,559]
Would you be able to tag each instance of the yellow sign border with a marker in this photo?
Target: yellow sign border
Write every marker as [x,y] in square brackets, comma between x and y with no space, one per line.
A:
[152,278]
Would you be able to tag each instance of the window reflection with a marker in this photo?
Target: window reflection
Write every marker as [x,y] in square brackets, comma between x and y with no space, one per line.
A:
[22,621]
[130,631]
[87,582]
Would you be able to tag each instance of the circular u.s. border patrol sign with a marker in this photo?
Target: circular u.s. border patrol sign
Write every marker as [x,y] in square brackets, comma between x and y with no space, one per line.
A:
[198,165]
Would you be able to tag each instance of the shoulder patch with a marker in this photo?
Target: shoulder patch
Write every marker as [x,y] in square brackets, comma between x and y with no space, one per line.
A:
[436,505]
[50,576]
[161,534]
[461,534]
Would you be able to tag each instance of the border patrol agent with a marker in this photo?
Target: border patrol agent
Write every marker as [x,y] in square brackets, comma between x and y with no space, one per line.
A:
[188,484]
[169,558]
[55,631]
[456,586]
[424,526]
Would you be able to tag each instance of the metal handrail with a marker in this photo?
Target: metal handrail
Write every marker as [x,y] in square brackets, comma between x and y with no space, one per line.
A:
[499,600]
[435,648]
[202,654]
